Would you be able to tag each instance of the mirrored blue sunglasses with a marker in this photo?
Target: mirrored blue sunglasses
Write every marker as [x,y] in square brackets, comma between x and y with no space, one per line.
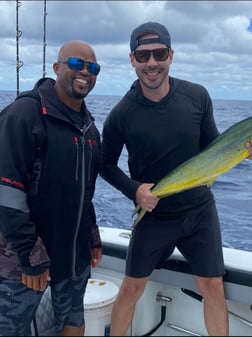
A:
[75,63]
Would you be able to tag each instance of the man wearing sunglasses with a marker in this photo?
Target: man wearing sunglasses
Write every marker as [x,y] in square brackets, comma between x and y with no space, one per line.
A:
[163,121]
[48,168]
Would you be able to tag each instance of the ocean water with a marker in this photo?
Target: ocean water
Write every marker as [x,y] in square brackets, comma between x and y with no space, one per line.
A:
[232,190]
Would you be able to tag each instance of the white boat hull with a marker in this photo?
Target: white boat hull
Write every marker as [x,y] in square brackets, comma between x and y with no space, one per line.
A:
[172,288]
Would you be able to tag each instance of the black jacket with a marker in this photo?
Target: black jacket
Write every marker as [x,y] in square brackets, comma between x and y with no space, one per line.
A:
[48,169]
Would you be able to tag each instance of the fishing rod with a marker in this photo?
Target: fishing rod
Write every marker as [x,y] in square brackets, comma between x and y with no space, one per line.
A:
[19,63]
[44,41]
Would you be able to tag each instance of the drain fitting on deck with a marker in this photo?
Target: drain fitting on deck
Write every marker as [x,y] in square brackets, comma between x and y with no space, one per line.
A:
[163,299]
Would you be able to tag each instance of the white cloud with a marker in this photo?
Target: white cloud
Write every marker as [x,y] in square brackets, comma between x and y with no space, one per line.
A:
[212,43]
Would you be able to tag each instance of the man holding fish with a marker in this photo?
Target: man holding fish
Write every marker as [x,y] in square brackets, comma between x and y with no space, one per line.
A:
[164,121]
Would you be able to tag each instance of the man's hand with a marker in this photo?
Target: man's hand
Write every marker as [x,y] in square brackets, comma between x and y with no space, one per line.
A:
[145,199]
[96,255]
[36,282]
[249,147]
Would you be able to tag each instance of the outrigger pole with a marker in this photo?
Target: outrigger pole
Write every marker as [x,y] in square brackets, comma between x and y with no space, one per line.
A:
[44,41]
[19,63]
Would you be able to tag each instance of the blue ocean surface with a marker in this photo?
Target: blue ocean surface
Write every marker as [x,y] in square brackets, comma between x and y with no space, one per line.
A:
[232,190]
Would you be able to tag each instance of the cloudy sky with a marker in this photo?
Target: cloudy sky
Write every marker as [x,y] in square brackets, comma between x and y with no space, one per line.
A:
[212,41]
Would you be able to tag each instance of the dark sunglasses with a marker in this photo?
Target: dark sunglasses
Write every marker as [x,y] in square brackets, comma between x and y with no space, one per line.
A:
[75,63]
[160,54]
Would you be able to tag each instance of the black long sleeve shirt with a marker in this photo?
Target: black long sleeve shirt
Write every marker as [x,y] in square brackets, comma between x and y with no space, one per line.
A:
[158,136]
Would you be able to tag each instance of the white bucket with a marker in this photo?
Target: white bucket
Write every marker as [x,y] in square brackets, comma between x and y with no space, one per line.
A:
[98,301]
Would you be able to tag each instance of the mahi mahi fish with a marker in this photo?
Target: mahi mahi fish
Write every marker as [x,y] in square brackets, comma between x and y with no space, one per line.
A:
[225,152]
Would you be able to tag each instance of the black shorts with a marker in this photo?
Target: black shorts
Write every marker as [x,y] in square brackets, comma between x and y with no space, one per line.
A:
[196,233]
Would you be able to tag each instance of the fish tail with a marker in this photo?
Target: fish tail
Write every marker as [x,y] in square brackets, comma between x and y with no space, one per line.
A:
[139,217]
[136,210]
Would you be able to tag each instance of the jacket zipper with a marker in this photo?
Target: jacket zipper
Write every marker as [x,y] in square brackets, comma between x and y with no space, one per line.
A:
[77,157]
[81,206]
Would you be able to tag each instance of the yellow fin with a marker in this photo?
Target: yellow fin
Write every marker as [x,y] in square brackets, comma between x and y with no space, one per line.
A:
[210,182]
[137,209]
[139,217]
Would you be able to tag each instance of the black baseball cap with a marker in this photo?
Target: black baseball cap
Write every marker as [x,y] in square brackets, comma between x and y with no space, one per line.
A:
[149,28]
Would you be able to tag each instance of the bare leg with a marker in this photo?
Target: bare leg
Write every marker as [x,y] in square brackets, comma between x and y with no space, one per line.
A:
[72,330]
[215,307]
[124,306]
